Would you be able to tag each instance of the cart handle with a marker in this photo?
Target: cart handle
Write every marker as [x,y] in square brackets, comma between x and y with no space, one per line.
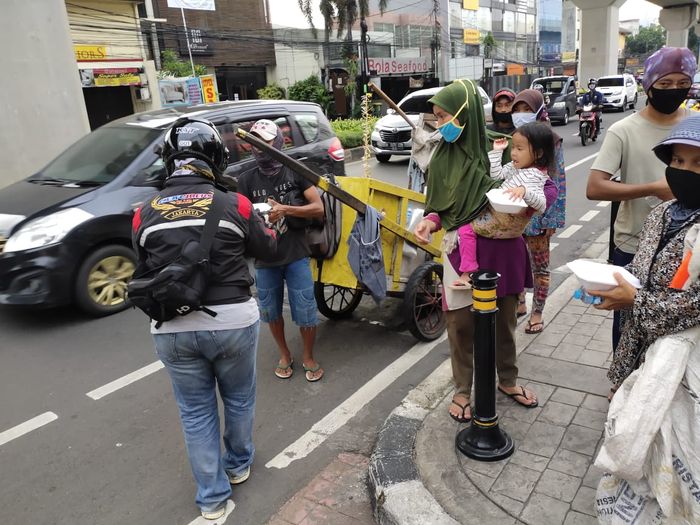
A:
[391,104]
[343,196]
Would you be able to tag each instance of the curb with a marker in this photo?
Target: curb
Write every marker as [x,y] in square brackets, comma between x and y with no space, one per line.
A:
[355,154]
[397,492]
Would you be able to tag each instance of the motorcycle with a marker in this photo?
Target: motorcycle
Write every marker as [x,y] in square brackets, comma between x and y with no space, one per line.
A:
[586,124]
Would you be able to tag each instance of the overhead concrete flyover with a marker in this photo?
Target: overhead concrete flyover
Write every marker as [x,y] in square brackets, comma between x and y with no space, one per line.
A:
[599,31]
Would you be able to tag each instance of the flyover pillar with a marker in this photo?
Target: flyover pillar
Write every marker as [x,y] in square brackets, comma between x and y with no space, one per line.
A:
[677,20]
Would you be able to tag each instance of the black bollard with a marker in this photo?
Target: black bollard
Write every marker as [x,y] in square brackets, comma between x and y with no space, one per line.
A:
[483,440]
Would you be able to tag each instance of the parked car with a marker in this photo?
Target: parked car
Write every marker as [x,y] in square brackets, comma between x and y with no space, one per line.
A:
[694,92]
[65,231]
[392,134]
[559,95]
[620,91]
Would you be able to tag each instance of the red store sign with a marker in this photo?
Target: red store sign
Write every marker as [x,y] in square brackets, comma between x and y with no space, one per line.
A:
[399,66]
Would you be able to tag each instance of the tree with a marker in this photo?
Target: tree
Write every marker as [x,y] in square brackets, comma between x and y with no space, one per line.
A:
[271,92]
[174,67]
[693,40]
[648,40]
[489,44]
[346,12]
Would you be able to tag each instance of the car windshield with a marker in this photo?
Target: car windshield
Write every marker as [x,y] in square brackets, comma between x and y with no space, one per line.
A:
[611,82]
[416,105]
[552,85]
[99,156]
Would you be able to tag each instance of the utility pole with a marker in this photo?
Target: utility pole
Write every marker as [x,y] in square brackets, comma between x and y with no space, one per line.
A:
[435,44]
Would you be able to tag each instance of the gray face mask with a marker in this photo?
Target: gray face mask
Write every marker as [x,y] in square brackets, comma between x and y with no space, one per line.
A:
[520,119]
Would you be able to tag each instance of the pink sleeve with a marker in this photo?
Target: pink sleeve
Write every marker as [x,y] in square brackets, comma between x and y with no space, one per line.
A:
[435,218]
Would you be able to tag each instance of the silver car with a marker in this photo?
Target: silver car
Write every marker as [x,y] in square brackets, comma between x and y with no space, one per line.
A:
[392,134]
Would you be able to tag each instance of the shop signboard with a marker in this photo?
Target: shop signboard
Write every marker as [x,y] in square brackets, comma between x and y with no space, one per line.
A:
[204,5]
[112,77]
[210,91]
[200,43]
[472,37]
[399,66]
[90,53]
[180,91]
[568,56]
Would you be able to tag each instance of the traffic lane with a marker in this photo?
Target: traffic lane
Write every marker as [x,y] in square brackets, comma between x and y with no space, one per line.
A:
[109,454]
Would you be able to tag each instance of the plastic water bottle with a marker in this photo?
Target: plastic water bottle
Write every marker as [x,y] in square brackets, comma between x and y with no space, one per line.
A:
[582,295]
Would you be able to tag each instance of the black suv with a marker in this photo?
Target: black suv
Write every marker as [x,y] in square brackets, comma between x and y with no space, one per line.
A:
[65,232]
[559,95]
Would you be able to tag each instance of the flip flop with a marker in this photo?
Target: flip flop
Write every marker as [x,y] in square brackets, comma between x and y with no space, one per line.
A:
[517,395]
[521,314]
[290,366]
[308,371]
[532,327]
[460,419]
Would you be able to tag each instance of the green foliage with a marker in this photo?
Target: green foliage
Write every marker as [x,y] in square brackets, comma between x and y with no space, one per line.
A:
[648,40]
[343,13]
[271,92]
[489,42]
[171,65]
[693,40]
[305,90]
[351,124]
[350,139]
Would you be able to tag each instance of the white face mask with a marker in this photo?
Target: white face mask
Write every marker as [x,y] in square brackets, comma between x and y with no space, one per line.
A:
[520,119]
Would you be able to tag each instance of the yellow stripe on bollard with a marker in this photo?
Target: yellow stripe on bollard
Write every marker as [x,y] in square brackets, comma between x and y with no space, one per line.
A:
[484,294]
[484,305]
[484,423]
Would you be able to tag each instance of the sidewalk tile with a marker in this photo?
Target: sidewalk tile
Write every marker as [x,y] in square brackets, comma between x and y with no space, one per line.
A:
[323,516]
[576,309]
[521,413]
[567,396]
[540,349]
[492,469]
[592,318]
[592,310]
[319,489]
[555,328]
[543,510]
[603,334]
[600,346]
[516,482]
[576,518]
[549,338]
[599,403]
[581,439]
[336,471]
[593,358]
[542,390]
[558,485]
[543,439]
[515,429]
[557,413]
[511,505]
[570,462]
[585,501]
[577,339]
[585,328]
[592,477]
[568,352]
[482,481]
[590,418]
[296,509]
[527,460]
[566,319]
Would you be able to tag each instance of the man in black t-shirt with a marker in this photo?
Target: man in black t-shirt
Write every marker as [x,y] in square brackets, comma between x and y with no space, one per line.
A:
[294,202]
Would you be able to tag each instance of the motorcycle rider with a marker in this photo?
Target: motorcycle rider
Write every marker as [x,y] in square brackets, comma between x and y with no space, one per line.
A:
[594,97]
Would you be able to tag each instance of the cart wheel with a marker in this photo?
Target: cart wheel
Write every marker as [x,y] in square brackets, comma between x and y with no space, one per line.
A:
[422,302]
[336,302]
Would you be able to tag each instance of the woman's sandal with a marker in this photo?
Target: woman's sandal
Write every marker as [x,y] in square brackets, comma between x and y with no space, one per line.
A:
[461,418]
[280,371]
[532,328]
[518,312]
[516,395]
[310,371]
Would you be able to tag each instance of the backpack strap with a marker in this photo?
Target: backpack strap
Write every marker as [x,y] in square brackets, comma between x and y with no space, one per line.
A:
[211,225]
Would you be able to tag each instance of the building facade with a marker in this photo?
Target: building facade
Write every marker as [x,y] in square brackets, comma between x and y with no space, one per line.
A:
[550,35]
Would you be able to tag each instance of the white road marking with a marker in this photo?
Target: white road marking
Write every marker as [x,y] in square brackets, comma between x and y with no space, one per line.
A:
[553,245]
[115,385]
[230,505]
[27,427]
[340,415]
[589,215]
[578,163]
[569,231]
[603,204]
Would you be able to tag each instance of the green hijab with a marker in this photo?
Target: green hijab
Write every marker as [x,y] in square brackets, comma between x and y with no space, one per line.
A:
[458,173]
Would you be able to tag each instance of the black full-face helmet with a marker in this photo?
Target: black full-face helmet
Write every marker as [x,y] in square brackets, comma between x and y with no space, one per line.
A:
[194,138]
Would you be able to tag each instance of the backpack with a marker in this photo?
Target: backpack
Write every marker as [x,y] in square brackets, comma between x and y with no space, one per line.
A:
[323,237]
[179,287]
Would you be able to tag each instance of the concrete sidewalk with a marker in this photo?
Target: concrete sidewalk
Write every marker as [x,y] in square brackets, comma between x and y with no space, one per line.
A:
[417,476]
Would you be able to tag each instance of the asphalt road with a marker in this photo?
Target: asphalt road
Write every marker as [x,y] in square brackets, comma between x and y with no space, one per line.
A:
[117,456]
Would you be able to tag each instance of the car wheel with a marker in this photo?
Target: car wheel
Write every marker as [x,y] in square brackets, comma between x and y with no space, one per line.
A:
[566,117]
[624,105]
[634,102]
[383,158]
[100,287]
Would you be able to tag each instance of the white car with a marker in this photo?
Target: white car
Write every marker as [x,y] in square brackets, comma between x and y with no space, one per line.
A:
[620,91]
[392,134]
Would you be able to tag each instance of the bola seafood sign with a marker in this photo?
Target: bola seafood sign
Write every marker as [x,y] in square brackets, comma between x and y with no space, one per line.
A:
[399,66]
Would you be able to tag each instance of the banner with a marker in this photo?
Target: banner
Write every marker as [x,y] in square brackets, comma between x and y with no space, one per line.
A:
[204,5]
[472,37]
[180,92]
[114,77]
[210,91]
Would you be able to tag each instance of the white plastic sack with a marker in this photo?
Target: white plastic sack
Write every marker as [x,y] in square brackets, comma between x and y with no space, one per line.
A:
[652,439]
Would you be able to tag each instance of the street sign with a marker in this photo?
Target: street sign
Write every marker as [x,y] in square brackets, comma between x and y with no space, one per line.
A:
[204,5]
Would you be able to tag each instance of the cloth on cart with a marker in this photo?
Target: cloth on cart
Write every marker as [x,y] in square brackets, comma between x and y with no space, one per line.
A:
[652,439]
[365,253]
[425,140]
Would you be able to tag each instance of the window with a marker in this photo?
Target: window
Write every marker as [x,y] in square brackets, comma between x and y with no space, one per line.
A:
[308,123]
[520,23]
[530,24]
[386,28]
[238,149]
[509,22]
[497,19]
[420,36]
[610,82]
[484,19]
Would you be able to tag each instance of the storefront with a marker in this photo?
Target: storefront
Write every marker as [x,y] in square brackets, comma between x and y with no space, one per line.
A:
[399,76]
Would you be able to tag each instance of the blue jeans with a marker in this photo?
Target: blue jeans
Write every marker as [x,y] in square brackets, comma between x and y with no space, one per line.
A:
[300,290]
[196,363]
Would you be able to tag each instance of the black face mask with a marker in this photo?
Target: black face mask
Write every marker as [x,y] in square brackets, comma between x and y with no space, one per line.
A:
[505,118]
[667,101]
[685,186]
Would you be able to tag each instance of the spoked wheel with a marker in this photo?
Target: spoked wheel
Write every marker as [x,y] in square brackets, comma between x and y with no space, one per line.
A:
[423,302]
[100,287]
[336,302]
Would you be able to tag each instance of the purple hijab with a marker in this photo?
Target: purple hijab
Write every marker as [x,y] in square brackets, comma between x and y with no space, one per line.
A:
[668,60]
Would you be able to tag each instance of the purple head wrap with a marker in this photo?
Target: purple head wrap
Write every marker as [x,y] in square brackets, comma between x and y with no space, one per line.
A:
[668,60]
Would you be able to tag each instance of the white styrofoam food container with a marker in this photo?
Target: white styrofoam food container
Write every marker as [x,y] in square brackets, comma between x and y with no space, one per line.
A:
[597,276]
[501,202]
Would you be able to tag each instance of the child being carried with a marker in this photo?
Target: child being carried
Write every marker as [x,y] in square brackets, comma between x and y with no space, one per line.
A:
[524,178]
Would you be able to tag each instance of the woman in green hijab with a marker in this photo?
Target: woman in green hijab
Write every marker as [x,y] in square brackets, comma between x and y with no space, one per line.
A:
[458,179]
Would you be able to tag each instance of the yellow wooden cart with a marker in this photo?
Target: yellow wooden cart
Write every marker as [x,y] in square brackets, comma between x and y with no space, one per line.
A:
[413,271]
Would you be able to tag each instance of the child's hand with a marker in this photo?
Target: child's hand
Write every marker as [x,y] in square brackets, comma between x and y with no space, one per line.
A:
[515,193]
[500,144]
